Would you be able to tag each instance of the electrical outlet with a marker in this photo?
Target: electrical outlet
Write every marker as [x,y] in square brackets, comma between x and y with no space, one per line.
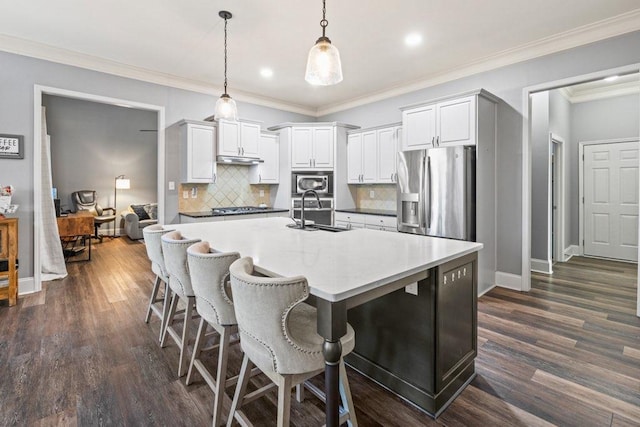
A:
[412,288]
[194,192]
[172,185]
[261,193]
[185,194]
[372,194]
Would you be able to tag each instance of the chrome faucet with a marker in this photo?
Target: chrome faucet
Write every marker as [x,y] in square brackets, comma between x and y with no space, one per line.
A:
[302,207]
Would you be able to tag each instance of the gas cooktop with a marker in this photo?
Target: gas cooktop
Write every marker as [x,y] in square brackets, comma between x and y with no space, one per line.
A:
[237,210]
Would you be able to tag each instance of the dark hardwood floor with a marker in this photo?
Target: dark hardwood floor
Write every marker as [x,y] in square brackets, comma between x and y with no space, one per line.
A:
[79,353]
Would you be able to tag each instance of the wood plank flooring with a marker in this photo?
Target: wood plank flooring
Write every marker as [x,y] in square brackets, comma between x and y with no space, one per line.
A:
[79,353]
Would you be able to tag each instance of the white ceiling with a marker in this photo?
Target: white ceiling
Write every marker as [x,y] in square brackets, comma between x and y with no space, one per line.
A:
[181,43]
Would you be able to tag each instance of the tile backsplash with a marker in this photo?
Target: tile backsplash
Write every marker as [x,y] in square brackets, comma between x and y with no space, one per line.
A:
[384,197]
[231,189]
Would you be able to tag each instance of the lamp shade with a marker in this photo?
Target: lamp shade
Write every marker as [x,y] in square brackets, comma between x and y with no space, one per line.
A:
[323,64]
[226,108]
[123,183]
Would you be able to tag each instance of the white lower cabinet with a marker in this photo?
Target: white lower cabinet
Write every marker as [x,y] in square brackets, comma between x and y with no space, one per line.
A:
[374,222]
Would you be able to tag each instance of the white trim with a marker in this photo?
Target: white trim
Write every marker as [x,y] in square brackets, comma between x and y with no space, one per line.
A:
[571,251]
[560,163]
[508,280]
[615,26]
[629,88]
[39,91]
[541,266]
[581,145]
[526,157]
[26,286]
[486,290]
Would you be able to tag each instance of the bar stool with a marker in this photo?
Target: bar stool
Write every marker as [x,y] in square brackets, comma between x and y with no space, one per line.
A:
[152,240]
[209,272]
[174,249]
[278,335]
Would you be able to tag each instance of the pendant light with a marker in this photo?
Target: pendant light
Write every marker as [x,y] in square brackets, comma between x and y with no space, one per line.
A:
[323,65]
[225,107]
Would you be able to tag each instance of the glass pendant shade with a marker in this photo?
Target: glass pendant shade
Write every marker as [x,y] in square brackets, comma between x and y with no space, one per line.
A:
[226,108]
[323,65]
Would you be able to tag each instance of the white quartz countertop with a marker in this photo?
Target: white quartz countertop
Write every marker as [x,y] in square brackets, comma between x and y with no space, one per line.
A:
[337,265]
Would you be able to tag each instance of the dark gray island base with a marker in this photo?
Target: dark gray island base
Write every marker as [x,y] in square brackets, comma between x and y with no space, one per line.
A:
[422,346]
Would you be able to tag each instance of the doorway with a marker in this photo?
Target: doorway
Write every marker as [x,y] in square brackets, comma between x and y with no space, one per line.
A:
[39,92]
[557,187]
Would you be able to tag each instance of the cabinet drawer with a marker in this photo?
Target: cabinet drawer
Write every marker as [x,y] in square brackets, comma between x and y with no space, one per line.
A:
[347,224]
[381,221]
[349,217]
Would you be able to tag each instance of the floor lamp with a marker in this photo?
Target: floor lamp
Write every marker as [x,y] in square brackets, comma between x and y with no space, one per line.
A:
[121,183]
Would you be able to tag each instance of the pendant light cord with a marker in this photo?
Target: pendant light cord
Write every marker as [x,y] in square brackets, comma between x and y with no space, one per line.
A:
[324,21]
[225,55]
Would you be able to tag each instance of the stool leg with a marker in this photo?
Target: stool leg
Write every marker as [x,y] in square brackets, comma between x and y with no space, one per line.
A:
[200,336]
[221,378]
[154,295]
[165,309]
[241,389]
[284,400]
[345,396]
[169,321]
[186,329]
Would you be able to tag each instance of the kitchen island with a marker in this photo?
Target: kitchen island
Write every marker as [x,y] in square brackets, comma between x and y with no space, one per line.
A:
[349,269]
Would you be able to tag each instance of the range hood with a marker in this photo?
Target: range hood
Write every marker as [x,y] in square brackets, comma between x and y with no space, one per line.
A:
[236,160]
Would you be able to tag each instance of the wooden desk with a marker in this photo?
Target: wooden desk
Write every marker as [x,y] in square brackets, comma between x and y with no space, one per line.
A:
[75,227]
[9,259]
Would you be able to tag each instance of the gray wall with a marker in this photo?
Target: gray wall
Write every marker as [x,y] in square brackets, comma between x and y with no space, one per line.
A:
[508,84]
[92,143]
[609,118]
[539,175]
[19,74]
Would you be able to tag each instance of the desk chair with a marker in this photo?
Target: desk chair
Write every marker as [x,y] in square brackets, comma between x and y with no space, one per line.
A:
[278,335]
[85,200]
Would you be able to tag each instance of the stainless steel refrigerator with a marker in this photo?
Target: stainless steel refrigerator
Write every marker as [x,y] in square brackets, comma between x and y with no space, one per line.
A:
[436,192]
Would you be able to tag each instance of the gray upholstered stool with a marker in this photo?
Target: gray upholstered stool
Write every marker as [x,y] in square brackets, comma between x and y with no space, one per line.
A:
[278,335]
[174,249]
[152,240]
[210,280]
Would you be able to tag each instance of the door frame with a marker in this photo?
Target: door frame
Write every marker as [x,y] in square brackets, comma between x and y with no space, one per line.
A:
[39,92]
[525,284]
[581,221]
[559,164]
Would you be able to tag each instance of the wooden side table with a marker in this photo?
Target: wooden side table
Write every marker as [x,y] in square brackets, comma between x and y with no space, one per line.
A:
[9,260]
[73,229]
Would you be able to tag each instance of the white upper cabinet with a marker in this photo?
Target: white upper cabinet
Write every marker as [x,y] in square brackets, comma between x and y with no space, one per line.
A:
[312,148]
[198,152]
[445,123]
[372,155]
[269,171]
[239,138]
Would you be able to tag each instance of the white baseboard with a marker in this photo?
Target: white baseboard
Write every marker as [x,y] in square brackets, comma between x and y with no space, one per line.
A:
[26,285]
[509,280]
[486,290]
[541,266]
[573,250]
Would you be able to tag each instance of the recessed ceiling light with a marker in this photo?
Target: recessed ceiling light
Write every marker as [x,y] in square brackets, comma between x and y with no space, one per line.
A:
[266,73]
[413,39]
[611,78]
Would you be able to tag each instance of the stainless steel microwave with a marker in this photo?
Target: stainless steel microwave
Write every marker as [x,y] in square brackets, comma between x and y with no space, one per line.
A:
[320,182]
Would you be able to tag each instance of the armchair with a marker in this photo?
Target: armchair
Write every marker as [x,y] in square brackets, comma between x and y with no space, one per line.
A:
[137,217]
[85,200]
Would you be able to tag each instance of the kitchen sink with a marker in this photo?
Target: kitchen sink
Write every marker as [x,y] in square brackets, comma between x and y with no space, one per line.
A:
[316,227]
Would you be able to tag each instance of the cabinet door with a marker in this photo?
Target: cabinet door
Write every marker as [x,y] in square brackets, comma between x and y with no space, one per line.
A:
[249,139]
[387,149]
[301,148]
[354,158]
[456,122]
[419,127]
[369,157]
[200,154]
[270,153]
[228,138]
[323,148]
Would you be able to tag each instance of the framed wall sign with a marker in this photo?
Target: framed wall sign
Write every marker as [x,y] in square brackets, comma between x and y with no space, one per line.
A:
[11,146]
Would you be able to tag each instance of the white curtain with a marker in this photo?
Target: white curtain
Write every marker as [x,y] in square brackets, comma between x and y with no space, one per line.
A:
[53,266]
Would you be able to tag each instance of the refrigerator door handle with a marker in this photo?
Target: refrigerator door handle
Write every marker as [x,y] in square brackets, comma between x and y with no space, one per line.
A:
[430,190]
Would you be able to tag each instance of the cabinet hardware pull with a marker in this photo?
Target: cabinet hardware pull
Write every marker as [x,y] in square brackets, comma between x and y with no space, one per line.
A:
[433,141]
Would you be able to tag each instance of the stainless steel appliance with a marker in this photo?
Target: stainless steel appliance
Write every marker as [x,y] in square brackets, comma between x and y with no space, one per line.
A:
[436,192]
[320,182]
[319,215]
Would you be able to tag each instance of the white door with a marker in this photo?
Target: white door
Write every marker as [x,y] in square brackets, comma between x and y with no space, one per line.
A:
[419,127]
[354,158]
[369,156]
[270,153]
[387,150]
[228,139]
[456,122]
[301,151]
[611,200]
[249,139]
[200,154]
[323,148]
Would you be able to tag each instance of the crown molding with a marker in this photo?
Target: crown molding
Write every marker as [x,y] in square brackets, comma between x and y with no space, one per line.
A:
[623,89]
[600,30]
